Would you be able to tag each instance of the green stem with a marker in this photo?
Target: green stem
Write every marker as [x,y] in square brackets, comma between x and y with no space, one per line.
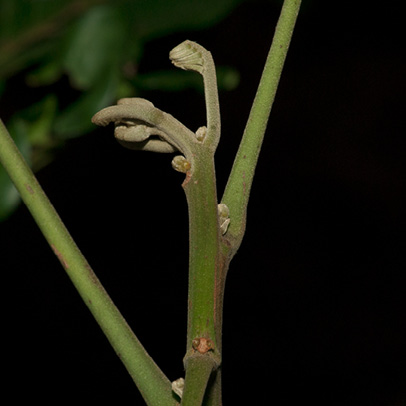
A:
[152,383]
[198,373]
[191,56]
[239,184]
[212,101]
[200,190]
[204,331]
[130,117]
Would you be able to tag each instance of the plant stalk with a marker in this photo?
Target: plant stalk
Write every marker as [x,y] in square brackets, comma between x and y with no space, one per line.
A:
[152,383]
[237,191]
[198,373]
[200,190]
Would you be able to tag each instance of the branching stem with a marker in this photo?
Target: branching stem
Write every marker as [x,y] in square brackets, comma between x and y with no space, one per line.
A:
[212,245]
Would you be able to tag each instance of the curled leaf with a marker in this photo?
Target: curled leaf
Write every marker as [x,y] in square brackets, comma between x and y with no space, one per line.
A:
[191,56]
[188,56]
[140,125]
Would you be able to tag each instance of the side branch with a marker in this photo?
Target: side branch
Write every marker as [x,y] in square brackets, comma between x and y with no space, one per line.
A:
[239,184]
[153,384]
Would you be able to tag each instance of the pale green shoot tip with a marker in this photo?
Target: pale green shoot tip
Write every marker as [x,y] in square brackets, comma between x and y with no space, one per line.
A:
[188,56]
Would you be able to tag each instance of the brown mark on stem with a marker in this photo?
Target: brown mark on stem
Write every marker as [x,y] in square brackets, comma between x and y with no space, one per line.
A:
[202,345]
[29,189]
[92,275]
[60,257]
[187,179]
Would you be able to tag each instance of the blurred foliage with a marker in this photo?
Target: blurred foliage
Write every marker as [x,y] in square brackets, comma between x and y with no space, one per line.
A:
[97,45]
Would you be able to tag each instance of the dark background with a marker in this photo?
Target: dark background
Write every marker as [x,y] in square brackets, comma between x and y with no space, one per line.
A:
[315,302]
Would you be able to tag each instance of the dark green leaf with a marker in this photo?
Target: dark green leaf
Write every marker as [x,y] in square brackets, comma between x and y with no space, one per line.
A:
[76,119]
[96,46]
[47,74]
[155,18]
[17,16]
[177,80]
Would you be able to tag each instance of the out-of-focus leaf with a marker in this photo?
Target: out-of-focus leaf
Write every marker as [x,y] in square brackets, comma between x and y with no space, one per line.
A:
[155,18]
[46,74]
[18,15]
[228,78]
[10,198]
[22,22]
[25,59]
[41,132]
[176,80]
[168,80]
[76,119]
[126,89]
[39,120]
[35,125]
[96,46]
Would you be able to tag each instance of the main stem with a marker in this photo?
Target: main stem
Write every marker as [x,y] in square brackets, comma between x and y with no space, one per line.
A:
[236,197]
[203,352]
[200,190]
